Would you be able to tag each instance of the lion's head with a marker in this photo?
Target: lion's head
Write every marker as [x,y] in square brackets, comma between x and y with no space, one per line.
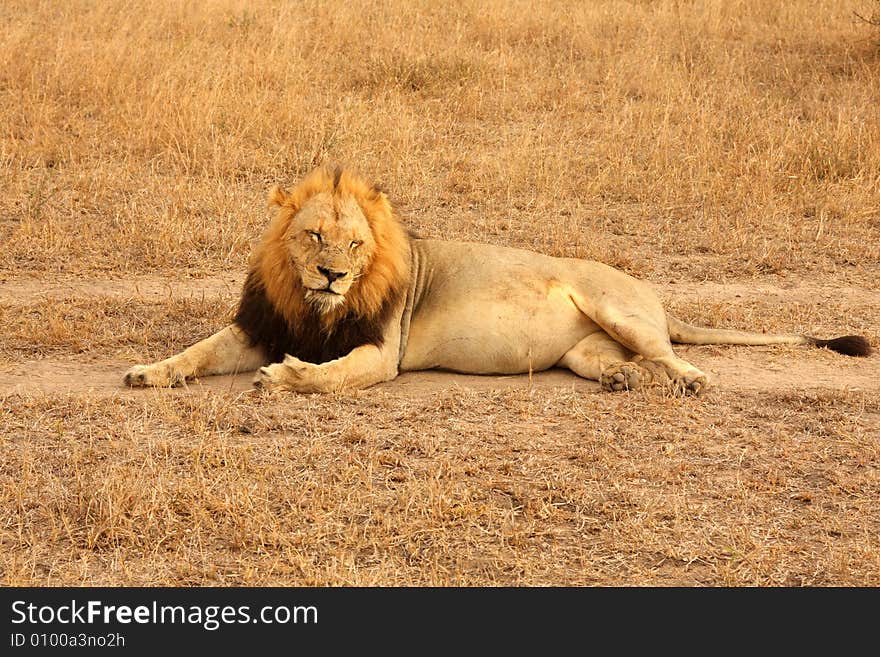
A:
[334,257]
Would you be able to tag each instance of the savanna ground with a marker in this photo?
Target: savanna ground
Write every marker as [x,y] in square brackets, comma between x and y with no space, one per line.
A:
[727,151]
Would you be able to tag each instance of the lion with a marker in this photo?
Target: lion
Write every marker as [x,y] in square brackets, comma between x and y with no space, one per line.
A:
[340,296]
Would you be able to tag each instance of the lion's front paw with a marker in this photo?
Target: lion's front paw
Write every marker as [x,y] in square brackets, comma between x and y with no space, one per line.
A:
[624,376]
[292,374]
[159,375]
[270,378]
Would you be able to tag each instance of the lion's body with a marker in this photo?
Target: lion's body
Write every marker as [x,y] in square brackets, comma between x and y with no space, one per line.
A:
[486,309]
[338,297]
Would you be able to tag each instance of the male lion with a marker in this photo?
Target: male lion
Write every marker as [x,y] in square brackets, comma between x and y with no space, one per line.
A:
[339,296]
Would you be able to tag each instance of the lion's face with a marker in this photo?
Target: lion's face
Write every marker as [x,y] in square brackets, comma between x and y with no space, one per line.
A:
[330,244]
[334,246]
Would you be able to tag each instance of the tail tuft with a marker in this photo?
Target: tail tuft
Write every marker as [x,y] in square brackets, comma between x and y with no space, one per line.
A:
[848,345]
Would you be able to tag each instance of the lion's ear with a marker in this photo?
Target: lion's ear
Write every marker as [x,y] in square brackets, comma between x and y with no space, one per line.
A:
[277,196]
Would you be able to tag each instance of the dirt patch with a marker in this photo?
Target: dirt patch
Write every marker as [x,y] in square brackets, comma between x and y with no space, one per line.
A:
[103,378]
[730,368]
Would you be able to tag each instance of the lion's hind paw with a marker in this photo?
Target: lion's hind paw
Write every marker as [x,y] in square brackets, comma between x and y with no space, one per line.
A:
[690,385]
[624,376]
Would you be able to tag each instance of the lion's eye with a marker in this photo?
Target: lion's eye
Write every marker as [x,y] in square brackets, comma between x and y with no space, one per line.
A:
[355,244]
[316,237]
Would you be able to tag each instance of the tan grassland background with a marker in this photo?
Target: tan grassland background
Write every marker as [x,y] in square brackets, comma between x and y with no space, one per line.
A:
[728,151]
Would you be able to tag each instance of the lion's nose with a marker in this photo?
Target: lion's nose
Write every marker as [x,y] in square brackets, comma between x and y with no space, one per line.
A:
[331,274]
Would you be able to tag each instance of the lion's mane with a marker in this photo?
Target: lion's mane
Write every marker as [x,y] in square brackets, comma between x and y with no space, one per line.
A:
[273,311]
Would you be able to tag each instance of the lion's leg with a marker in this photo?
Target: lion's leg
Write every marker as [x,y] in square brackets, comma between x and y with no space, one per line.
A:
[362,367]
[599,357]
[224,352]
[645,332]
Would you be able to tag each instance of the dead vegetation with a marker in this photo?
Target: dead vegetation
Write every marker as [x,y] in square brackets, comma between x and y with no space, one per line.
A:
[728,142]
[463,488]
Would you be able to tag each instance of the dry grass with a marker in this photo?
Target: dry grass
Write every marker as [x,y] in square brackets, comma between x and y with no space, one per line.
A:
[734,142]
[129,328]
[463,488]
[818,318]
[745,131]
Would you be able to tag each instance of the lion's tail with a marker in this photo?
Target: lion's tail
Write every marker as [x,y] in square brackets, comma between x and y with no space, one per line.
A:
[849,345]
